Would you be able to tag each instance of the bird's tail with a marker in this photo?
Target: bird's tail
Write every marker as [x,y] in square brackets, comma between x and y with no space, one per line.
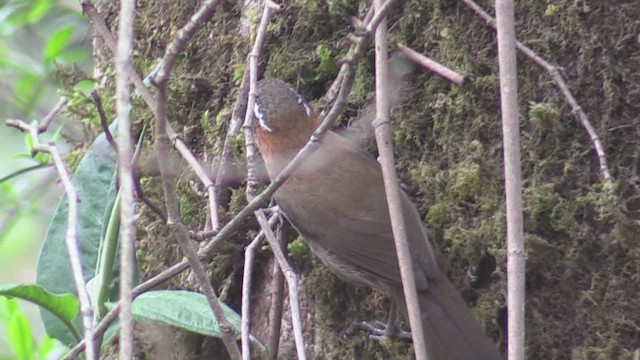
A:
[450,330]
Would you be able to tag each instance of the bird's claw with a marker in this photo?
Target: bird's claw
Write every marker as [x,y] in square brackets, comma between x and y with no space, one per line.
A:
[380,331]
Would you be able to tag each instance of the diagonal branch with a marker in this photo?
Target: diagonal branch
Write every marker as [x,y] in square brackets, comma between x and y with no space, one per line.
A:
[554,72]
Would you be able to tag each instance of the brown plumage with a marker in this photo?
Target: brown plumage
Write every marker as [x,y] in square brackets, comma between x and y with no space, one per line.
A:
[336,201]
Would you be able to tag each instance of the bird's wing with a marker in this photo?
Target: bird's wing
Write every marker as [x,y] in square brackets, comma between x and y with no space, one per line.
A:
[342,210]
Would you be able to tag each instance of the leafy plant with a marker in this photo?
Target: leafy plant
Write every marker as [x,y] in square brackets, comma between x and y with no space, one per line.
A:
[19,334]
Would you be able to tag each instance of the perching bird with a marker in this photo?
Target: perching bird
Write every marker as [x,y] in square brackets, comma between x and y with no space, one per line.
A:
[336,201]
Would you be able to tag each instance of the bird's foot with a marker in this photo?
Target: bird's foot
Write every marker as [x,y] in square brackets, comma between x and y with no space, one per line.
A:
[380,331]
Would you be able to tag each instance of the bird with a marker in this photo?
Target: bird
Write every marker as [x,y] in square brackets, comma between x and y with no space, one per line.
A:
[336,202]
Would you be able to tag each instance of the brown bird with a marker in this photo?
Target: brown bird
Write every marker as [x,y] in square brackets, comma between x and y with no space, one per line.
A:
[336,201]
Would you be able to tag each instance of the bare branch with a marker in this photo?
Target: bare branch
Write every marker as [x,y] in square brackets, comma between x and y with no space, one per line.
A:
[250,144]
[44,126]
[125,172]
[202,175]
[513,177]
[435,67]
[103,119]
[252,185]
[175,47]
[277,296]
[179,43]
[292,282]
[249,255]
[554,72]
[385,149]
[71,235]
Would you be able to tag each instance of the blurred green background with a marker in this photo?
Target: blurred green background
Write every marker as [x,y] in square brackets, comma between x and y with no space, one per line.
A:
[38,39]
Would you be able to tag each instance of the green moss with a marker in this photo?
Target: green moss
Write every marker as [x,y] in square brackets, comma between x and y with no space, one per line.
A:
[299,252]
[437,217]
[467,184]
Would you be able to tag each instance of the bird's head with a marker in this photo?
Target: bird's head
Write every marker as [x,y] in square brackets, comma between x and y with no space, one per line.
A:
[283,119]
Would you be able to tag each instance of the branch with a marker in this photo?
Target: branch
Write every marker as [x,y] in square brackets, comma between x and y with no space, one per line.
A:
[277,296]
[292,282]
[161,145]
[384,140]
[103,119]
[435,67]
[513,178]
[249,255]
[71,236]
[125,172]
[554,72]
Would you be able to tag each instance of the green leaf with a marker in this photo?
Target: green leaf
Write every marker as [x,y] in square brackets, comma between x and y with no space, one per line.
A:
[183,309]
[39,9]
[64,306]
[57,43]
[18,329]
[93,180]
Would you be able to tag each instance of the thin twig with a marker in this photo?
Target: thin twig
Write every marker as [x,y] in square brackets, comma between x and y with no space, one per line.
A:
[513,178]
[249,255]
[142,197]
[433,66]
[384,141]
[292,282]
[252,181]
[71,235]
[103,119]
[89,9]
[182,148]
[223,175]
[250,144]
[277,296]
[125,173]
[46,121]
[554,72]
[179,43]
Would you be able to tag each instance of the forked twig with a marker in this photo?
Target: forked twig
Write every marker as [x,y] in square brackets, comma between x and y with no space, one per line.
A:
[249,255]
[71,235]
[292,282]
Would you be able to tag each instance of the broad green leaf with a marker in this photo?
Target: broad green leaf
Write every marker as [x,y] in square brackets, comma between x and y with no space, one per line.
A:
[64,306]
[57,43]
[93,181]
[183,309]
